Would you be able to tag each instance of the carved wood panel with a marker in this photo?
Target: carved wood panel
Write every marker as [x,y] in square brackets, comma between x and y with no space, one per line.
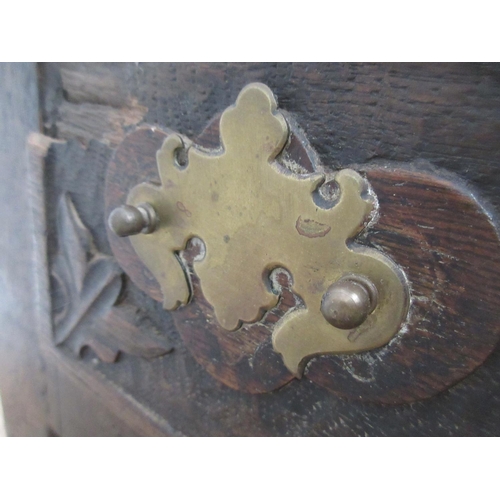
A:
[353,114]
[86,293]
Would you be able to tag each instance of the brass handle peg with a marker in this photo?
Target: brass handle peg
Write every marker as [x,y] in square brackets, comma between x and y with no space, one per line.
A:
[348,302]
[128,220]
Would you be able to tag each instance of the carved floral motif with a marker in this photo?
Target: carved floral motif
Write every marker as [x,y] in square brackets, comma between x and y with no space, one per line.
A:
[87,287]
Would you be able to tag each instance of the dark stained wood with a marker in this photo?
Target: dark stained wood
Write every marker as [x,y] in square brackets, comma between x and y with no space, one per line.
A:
[85,297]
[449,249]
[93,105]
[448,114]
[44,392]
[245,361]
[179,389]
[453,322]
[84,403]
[352,114]
[139,151]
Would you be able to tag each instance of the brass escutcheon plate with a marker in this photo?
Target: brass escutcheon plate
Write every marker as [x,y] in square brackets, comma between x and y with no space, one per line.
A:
[254,215]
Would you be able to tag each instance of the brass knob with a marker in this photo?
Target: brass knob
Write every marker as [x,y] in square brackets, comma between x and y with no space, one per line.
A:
[348,302]
[128,220]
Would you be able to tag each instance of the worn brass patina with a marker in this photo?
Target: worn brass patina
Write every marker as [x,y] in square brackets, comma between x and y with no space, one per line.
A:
[254,215]
[128,220]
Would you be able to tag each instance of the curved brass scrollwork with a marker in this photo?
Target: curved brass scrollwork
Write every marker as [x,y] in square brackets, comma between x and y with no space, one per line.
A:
[254,215]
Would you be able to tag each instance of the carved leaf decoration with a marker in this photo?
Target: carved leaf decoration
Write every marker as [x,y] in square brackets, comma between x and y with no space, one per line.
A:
[91,283]
[88,285]
[75,243]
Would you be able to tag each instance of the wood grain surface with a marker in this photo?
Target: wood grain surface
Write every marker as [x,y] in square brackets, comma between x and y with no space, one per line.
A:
[354,115]
[453,320]
[449,248]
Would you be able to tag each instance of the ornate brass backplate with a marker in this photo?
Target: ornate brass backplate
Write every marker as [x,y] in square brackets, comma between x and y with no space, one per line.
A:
[253,216]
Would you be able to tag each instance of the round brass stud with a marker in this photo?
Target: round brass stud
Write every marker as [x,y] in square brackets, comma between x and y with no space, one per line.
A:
[348,302]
